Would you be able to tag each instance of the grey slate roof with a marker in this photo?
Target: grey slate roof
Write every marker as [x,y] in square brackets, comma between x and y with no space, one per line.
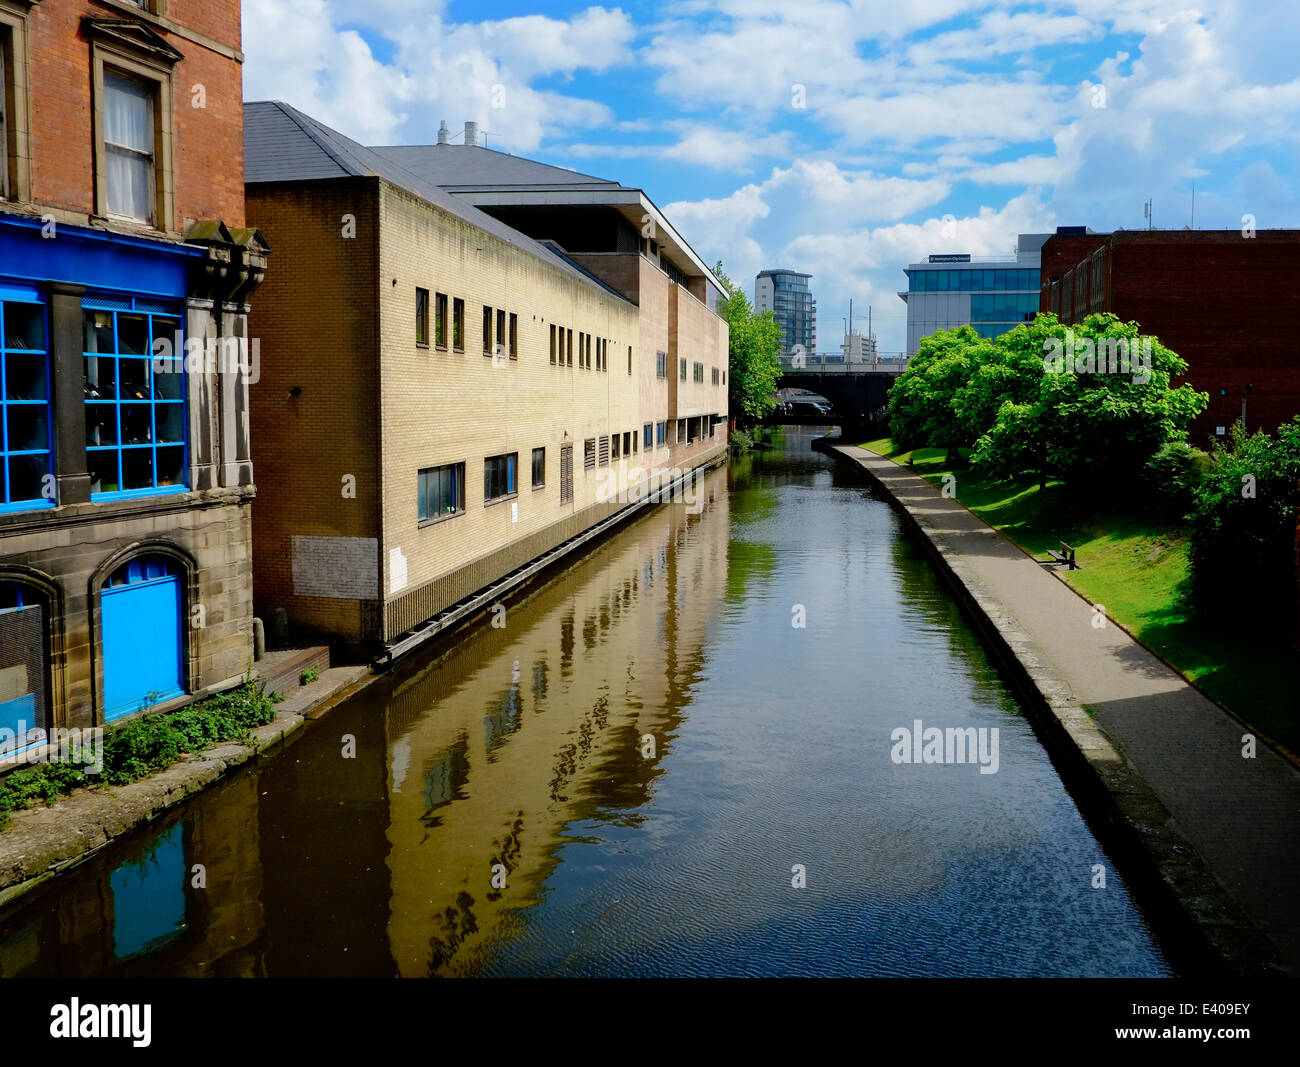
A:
[472,166]
[281,144]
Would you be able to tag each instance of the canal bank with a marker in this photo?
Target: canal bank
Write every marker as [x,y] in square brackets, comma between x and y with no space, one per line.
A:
[1210,835]
[42,842]
[664,763]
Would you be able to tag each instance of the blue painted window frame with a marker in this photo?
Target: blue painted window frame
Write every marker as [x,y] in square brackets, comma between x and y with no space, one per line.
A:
[11,357]
[116,305]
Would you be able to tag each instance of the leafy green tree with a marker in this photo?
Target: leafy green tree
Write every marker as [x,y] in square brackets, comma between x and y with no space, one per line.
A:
[922,402]
[1104,404]
[1243,524]
[754,344]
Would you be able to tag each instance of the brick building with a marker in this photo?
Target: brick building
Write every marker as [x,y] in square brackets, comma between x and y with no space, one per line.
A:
[126,478]
[471,360]
[1226,303]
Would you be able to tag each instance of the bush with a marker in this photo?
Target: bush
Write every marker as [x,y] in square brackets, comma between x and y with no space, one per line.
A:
[143,746]
[1243,525]
[741,442]
[1174,476]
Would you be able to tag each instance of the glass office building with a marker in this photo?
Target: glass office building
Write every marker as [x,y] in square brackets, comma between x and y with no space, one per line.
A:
[785,293]
[950,289]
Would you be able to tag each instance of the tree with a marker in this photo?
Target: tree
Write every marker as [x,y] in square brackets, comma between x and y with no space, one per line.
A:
[1103,406]
[754,343]
[1243,524]
[923,401]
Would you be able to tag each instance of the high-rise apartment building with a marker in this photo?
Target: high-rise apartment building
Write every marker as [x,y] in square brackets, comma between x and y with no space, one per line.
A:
[786,294]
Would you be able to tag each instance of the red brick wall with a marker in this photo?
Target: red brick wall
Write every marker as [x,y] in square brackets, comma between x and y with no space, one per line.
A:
[1229,306]
[208,153]
[1225,303]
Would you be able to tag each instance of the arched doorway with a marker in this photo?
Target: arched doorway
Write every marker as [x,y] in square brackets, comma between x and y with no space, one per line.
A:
[141,606]
[25,656]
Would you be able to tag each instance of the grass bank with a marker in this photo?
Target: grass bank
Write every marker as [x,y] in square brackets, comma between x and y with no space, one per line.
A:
[1136,567]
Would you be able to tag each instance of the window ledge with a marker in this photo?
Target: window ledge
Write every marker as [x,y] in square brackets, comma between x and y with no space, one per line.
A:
[439,518]
[422,344]
[500,499]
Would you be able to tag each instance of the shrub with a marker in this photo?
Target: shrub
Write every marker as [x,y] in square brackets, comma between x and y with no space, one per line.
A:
[143,746]
[1174,476]
[741,441]
[1243,525]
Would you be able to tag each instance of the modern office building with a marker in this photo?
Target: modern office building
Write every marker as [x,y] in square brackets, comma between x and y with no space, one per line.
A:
[954,289]
[448,397]
[125,473]
[785,293]
[1226,302]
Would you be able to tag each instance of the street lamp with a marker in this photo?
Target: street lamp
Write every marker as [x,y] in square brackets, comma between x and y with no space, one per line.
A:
[1245,392]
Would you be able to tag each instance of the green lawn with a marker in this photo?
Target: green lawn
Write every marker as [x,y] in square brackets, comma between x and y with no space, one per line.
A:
[1137,568]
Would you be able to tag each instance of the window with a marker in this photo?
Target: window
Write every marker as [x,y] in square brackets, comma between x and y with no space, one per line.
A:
[698,371]
[715,375]
[24,670]
[661,364]
[627,442]
[422,317]
[659,433]
[27,422]
[487,330]
[629,359]
[581,358]
[647,438]
[602,456]
[441,492]
[589,454]
[633,435]
[440,320]
[552,343]
[566,474]
[458,325]
[501,333]
[614,451]
[681,430]
[588,351]
[514,336]
[681,370]
[134,404]
[539,467]
[570,346]
[15,154]
[129,147]
[499,476]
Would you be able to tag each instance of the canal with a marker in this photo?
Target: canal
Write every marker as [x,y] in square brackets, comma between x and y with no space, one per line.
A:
[675,758]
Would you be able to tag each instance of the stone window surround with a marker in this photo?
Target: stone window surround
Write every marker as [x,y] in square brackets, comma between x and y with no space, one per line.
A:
[121,57]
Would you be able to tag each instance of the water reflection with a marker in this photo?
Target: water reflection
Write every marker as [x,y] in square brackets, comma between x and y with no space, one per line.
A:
[621,779]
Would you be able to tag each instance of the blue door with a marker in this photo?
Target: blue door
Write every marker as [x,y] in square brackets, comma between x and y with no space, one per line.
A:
[140,612]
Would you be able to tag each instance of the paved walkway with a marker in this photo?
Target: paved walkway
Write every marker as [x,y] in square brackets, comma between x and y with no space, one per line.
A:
[1241,815]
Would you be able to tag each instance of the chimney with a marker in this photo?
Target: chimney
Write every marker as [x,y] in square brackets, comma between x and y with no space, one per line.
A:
[471,133]
[444,134]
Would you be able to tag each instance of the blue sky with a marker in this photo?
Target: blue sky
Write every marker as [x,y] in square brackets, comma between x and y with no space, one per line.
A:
[844,138]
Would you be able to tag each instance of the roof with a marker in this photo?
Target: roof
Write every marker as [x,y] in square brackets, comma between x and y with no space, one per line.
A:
[472,166]
[281,144]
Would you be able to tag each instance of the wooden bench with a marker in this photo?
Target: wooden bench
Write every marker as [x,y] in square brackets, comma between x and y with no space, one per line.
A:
[1066,556]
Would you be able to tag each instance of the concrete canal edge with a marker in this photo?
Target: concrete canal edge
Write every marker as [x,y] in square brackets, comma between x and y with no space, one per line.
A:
[1201,930]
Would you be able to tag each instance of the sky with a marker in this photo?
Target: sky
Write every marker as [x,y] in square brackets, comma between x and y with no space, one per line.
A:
[842,138]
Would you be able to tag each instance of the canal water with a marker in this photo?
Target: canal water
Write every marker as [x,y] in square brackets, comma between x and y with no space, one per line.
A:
[675,758]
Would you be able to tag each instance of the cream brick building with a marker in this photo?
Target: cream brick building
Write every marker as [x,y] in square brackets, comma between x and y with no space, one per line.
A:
[443,399]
